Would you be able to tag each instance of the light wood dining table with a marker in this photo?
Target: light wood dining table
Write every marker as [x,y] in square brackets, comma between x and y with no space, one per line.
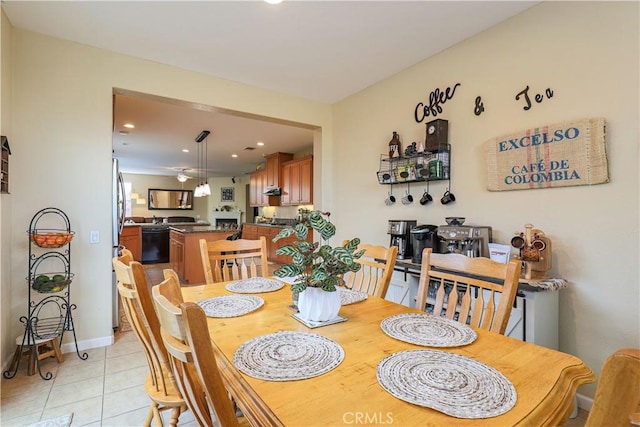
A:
[545,380]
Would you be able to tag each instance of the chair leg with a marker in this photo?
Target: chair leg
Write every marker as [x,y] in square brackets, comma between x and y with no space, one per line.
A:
[156,415]
[175,414]
[147,422]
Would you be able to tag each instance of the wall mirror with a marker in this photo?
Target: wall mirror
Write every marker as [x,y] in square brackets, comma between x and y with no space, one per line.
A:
[170,199]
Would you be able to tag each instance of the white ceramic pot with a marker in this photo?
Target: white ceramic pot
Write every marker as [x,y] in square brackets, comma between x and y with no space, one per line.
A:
[318,305]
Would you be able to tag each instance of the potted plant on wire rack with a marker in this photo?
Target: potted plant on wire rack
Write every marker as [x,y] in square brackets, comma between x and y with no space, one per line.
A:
[318,268]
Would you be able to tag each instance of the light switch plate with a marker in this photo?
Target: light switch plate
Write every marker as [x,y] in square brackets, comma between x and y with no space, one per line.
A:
[94,236]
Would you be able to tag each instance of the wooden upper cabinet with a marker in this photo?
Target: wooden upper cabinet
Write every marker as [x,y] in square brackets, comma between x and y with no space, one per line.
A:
[297,182]
[256,198]
[274,168]
[267,178]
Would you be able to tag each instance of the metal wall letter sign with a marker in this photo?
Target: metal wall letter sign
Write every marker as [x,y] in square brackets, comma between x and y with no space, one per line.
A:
[434,106]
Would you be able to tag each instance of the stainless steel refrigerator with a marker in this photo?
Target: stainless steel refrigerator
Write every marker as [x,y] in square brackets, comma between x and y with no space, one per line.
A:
[119,201]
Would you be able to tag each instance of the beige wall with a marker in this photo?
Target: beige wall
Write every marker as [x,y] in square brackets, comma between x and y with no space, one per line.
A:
[62,121]
[6,90]
[587,52]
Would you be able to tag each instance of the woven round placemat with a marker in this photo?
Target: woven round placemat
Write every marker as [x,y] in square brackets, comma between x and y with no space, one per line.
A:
[230,305]
[447,382]
[349,296]
[428,330]
[254,285]
[288,356]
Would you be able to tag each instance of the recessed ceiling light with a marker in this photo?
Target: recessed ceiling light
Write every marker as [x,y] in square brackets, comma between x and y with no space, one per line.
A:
[185,150]
[273,1]
[260,143]
[129,125]
[234,155]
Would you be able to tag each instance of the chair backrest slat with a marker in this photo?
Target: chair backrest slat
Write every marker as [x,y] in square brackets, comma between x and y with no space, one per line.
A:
[186,335]
[138,306]
[376,269]
[469,288]
[226,260]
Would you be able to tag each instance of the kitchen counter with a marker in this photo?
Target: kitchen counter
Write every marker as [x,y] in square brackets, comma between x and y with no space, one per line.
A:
[170,224]
[188,229]
[537,284]
[264,224]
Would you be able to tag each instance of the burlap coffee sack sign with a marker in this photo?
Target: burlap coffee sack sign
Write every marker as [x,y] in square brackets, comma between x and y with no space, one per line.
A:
[555,155]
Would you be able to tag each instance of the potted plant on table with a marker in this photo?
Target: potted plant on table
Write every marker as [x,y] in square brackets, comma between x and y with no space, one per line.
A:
[318,268]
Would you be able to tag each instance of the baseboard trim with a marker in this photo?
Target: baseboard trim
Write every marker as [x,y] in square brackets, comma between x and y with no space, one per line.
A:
[584,402]
[87,344]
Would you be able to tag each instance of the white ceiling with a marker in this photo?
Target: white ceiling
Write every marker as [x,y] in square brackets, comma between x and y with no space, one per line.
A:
[319,50]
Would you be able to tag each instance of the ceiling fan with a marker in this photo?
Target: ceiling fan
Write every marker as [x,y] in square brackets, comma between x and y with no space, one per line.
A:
[182,177]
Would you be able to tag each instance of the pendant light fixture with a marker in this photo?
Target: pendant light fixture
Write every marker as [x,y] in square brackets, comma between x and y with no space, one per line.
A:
[202,189]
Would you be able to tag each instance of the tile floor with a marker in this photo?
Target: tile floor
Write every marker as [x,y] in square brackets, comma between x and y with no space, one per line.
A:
[105,390]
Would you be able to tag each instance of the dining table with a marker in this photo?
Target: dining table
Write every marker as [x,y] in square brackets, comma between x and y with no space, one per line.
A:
[544,381]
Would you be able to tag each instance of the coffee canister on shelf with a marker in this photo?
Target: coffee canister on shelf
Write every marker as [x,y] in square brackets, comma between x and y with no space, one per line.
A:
[436,169]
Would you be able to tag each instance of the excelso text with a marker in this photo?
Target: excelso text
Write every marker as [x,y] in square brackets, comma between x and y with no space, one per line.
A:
[538,139]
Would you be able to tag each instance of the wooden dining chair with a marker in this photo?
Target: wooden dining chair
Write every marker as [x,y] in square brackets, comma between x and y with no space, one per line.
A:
[137,304]
[617,399]
[225,260]
[466,289]
[185,334]
[377,267]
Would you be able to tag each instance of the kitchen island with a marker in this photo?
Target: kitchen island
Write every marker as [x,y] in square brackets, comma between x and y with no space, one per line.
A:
[184,249]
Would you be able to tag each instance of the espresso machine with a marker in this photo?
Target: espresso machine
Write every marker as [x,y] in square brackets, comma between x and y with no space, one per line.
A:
[400,231]
[470,240]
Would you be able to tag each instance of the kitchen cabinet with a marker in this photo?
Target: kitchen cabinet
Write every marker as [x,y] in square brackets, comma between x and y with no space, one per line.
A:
[297,182]
[270,177]
[256,188]
[184,251]
[176,252]
[255,231]
[131,238]
[274,168]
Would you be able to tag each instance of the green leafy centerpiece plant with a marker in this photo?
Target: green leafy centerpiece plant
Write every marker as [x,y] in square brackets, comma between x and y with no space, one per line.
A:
[318,268]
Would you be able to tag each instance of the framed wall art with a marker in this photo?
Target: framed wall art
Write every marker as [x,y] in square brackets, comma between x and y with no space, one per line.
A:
[226,194]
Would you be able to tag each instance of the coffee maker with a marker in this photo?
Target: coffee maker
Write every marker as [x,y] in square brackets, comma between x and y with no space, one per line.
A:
[400,231]
[424,236]
[470,240]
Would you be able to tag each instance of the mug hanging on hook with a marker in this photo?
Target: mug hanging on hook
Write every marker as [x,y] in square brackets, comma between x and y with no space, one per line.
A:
[447,198]
[391,199]
[408,198]
[426,197]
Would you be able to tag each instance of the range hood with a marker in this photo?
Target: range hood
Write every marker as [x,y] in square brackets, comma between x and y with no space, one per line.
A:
[273,191]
